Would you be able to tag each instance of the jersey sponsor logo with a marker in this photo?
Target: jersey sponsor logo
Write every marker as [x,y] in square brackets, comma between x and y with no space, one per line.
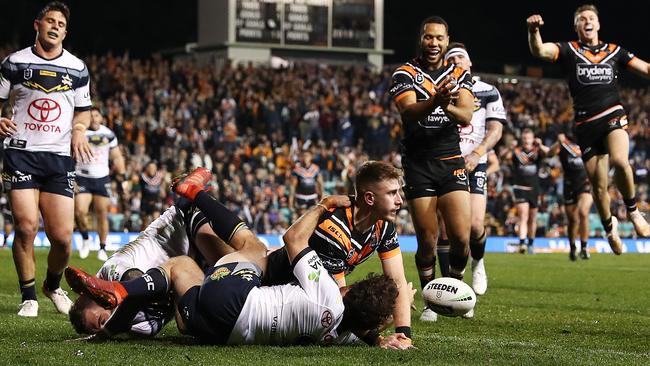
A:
[219,273]
[21,144]
[314,262]
[466,130]
[44,110]
[590,74]
[437,119]
[47,73]
[460,174]
[314,276]
[326,319]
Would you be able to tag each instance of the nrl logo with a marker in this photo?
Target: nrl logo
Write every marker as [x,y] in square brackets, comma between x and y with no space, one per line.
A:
[27,74]
[419,78]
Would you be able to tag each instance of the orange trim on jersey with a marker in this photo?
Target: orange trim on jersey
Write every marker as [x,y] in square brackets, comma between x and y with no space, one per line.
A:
[338,276]
[389,254]
[595,57]
[457,72]
[426,83]
[408,69]
[348,215]
[335,232]
[450,157]
[404,95]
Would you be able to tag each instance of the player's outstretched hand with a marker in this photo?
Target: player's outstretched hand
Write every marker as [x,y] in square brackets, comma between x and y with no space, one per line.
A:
[336,201]
[396,341]
[80,147]
[7,127]
[534,22]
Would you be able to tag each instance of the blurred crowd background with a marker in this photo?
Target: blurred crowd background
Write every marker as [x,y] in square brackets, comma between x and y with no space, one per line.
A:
[250,124]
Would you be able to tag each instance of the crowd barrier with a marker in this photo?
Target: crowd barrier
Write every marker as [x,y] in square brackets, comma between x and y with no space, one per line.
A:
[408,243]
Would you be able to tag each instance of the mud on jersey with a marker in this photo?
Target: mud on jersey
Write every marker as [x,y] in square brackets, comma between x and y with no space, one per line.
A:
[341,248]
[47,93]
[488,106]
[592,74]
[436,135]
[101,142]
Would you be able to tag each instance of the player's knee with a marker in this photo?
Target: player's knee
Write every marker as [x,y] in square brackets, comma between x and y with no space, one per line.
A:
[26,228]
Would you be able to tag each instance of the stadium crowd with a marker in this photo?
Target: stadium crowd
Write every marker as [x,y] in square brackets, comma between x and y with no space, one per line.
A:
[248,125]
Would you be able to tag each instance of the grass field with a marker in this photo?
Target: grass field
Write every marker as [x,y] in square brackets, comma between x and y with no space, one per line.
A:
[539,310]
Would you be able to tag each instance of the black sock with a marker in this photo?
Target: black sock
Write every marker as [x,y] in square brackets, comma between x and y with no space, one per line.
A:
[28,289]
[84,235]
[457,264]
[572,244]
[102,246]
[477,246]
[443,256]
[531,241]
[522,241]
[583,245]
[630,204]
[607,224]
[426,270]
[223,222]
[151,285]
[52,280]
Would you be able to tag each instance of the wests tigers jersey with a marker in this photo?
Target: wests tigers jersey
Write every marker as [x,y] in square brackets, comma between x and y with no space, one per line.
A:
[436,135]
[592,74]
[524,167]
[572,164]
[307,177]
[341,248]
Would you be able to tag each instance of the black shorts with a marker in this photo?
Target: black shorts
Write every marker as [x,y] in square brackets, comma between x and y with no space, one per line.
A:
[210,311]
[573,189]
[149,207]
[433,177]
[44,171]
[278,268]
[94,186]
[592,135]
[478,180]
[527,195]
[305,203]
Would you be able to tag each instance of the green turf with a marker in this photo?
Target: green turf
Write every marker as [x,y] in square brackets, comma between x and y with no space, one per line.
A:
[539,309]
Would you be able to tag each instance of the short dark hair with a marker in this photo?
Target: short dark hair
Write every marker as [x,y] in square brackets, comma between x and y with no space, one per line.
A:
[76,314]
[370,302]
[374,172]
[55,6]
[433,19]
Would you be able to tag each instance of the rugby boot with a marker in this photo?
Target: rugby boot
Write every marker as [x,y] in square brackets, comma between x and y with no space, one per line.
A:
[108,294]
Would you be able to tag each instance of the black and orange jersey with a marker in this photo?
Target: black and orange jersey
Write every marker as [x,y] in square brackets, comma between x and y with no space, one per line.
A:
[342,248]
[525,164]
[572,164]
[592,74]
[307,177]
[437,135]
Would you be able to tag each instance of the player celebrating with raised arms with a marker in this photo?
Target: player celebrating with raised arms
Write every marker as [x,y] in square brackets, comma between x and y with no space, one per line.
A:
[433,100]
[51,113]
[591,67]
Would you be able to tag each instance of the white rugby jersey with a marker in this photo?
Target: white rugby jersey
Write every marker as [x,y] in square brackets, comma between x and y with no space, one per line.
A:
[164,238]
[307,312]
[47,93]
[487,106]
[101,142]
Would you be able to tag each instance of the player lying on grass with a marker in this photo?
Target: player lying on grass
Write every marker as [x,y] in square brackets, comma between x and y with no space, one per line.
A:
[248,243]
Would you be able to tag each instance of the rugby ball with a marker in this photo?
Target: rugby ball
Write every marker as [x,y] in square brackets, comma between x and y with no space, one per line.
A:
[448,296]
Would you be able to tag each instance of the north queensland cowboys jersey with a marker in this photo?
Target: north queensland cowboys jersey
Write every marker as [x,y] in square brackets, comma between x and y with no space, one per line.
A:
[488,106]
[101,142]
[47,93]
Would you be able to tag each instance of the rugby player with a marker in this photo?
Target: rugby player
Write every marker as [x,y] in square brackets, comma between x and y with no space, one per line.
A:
[306,183]
[93,184]
[591,68]
[433,100]
[347,236]
[50,118]
[525,161]
[229,306]
[476,140]
[577,193]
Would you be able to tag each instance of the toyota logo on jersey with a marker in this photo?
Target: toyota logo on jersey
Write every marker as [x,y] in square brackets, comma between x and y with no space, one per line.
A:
[44,110]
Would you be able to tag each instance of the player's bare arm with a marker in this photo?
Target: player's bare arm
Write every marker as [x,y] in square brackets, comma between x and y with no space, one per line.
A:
[412,111]
[639,67]
[393,267]
[547,51]
[80,147]
[115,155]
[543,148]
[297,236]
[7,126]
[492,136]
